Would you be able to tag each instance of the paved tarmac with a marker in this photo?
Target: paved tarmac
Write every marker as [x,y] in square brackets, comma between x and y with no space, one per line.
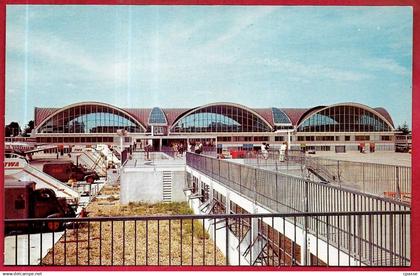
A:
[380,157]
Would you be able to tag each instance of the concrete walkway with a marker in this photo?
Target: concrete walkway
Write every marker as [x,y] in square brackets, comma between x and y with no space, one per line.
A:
[36,253]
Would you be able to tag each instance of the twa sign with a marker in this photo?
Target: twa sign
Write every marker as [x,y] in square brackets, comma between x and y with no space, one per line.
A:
[14,164]
[11,164]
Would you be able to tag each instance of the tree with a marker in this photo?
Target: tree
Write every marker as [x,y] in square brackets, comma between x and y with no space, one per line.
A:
[12,129]
[28,129]
[404,128]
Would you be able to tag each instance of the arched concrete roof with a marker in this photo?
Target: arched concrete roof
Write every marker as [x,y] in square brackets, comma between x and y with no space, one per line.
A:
[317,109]
[185,114]
[57,111]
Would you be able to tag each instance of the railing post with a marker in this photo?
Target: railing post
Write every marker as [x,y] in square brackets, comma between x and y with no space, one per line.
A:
[255,186]
[228,168]
[338,171]
[227,241]
[219,162]
[277,193]
[397,174]
[363,177]
[305,228]
[240,179]
[212,168]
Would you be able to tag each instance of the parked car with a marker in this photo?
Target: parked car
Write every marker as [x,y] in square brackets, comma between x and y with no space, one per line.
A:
[66,170]
[23,201]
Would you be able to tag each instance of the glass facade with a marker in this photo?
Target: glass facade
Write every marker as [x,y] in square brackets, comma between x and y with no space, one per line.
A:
[157,116]
[94,139]
[279,117]
[90,119]
[343,119]
[221,118]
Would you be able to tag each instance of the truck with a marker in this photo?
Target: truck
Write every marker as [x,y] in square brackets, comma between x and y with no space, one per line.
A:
[24,201]
[66,170]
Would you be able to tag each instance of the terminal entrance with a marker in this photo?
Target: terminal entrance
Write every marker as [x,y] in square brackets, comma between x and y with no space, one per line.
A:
[156,144]
[207,143]
[171,143]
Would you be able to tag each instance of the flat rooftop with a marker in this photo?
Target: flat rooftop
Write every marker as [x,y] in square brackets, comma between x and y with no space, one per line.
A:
[156,159]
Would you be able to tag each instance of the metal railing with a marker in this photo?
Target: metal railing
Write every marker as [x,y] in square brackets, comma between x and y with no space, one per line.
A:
[379,179]
[89,190]
[20,139]
[284,193]
[211,240]
[287,193]
[153,156]
[170,151]
[388,181]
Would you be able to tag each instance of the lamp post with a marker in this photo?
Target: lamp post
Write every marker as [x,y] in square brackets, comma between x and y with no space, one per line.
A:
[289,133]
[122,133]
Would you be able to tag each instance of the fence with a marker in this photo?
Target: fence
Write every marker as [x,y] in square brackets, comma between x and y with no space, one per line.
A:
[90,190]
[377,179]
[288,194]
[169,151]
[191,240]
[141,156]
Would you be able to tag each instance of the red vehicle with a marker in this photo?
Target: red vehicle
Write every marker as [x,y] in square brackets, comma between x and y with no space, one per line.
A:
[23,201]
[66,170]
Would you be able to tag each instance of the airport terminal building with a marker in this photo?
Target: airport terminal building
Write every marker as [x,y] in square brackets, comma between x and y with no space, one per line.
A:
[337,127]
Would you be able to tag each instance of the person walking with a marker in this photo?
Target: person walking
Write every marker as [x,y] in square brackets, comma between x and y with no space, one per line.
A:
[282,152]
[264,150]
[181,150]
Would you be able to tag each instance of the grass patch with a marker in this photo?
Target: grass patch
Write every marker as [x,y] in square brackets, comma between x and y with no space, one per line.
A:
[136,243]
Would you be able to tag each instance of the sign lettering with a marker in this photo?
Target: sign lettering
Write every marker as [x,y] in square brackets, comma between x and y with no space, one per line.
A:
[11,164]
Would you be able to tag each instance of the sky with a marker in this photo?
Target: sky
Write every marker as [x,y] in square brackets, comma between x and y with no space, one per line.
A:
[186,56]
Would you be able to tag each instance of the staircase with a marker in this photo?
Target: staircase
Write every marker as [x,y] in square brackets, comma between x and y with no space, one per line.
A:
[167,186]
[320,171]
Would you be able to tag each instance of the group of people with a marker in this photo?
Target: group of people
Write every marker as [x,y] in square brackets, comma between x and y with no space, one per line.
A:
[178,149]
[282,151]
[196,147]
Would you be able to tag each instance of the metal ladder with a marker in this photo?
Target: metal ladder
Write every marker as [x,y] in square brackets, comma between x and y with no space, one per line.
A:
[167,186]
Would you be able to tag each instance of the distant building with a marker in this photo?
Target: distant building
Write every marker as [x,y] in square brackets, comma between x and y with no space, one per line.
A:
[342,126]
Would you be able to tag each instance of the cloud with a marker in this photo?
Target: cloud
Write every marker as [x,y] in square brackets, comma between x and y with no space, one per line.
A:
[58,53]
[313,71]
[240,23]
[48,46]
[168,55]
[385,64]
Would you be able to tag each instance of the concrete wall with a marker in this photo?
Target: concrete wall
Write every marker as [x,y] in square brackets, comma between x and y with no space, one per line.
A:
[146,184]
[141,186]
[178,184]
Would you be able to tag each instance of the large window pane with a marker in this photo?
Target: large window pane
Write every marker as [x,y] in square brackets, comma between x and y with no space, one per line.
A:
[221,119]
[343,119]
[88,119]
